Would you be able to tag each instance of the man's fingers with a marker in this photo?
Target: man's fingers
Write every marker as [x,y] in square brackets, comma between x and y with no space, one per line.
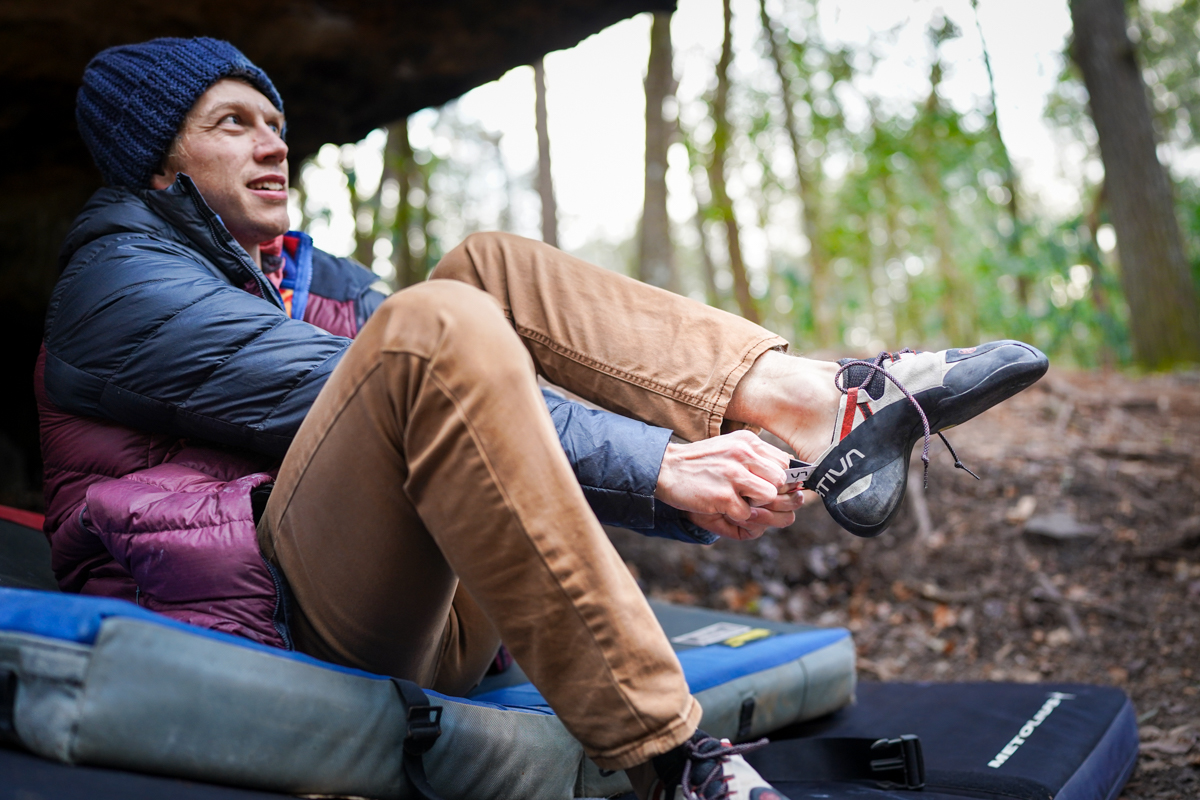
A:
[767,462]
[768,471]
[749,529]
[787,501]
[723,526]
[755,492]
[766,518]
[743,530]
[726,475]
[737,507]
[772,453]
[718,524]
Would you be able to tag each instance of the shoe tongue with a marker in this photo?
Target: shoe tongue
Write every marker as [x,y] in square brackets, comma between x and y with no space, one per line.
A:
[857,373]
[669,765]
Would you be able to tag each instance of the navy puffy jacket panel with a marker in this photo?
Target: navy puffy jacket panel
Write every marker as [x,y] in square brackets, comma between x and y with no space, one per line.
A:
[161,322]
[150,326]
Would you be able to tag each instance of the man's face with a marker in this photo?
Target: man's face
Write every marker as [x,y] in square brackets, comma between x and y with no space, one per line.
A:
[231,146]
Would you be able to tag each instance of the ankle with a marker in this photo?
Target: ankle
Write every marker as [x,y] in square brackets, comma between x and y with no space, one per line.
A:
[792,397]
[665,770]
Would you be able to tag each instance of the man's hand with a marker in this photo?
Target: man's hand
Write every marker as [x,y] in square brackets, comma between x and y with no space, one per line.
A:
[732,485]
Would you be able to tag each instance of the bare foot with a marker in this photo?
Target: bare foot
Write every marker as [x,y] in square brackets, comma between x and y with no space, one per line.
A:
[793,398]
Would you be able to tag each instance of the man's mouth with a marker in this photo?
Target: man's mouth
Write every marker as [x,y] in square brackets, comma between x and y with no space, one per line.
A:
[267,185]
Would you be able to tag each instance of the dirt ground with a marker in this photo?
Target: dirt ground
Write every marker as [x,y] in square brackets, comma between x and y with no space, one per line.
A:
[1075,558]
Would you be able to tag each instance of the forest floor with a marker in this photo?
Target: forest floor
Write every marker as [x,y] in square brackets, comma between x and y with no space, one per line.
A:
[1075,558]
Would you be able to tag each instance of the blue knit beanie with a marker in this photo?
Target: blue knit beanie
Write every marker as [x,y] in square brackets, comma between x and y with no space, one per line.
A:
[135,97]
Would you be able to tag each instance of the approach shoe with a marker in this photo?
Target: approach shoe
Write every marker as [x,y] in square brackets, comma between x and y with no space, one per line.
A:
[894,400]
[704,768]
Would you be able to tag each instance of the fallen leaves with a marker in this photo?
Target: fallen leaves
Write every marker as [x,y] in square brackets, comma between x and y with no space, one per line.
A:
[991,603]
[1163,749]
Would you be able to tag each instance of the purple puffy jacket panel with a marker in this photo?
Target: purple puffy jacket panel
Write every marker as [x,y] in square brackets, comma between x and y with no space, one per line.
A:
[165,522]
[156,521]
[188,540]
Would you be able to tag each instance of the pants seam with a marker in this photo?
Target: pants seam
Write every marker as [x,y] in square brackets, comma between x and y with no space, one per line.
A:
[645,383]
[357,387]
[540,556]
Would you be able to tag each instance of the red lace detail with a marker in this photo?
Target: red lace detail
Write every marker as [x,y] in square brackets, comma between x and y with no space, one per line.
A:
[848,415]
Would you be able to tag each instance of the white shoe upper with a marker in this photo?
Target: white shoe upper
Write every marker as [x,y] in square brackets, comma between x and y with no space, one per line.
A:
[735,780]
[916,372]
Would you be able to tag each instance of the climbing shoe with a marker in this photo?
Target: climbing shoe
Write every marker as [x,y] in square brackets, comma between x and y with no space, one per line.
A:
[891,402]
[704,768]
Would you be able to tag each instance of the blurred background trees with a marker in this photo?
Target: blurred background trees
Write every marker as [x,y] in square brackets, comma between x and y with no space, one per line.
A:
[1163,315]
[837,214]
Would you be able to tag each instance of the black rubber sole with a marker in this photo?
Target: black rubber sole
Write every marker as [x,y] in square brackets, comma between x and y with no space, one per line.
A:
[996,387]
[881,448]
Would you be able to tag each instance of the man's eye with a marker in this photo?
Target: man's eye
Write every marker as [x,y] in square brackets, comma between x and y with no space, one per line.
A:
[231,119]
[274,128]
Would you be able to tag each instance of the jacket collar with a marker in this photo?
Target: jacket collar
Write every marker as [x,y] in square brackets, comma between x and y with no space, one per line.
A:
[182,205]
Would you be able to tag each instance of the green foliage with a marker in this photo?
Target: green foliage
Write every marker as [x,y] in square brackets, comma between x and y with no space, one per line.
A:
[919,224]
[922,221]
[456,185]
[927,242]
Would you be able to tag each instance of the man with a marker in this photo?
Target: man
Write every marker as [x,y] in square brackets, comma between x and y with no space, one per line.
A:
[431,500]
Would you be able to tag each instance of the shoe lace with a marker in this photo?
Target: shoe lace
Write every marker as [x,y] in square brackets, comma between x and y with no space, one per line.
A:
[710,749]
[877,366]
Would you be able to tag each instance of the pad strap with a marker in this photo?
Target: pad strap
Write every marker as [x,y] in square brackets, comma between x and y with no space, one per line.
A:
[891,763]
[424,726]
[8,705]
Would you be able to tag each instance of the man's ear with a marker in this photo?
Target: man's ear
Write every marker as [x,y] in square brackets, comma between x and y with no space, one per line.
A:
[162,179]
[166,173]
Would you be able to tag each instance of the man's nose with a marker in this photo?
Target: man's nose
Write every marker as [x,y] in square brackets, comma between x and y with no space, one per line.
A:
[271,146]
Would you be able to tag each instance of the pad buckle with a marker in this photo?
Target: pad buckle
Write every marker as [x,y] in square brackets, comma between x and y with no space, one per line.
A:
[424,727]
[901,756]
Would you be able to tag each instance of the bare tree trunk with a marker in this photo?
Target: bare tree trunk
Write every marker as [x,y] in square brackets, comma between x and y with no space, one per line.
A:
[958,306]
[716,174]
[1010,174]
[545,184]
[363,208]
[696,173]
[818,259]
[656,256]
[398,166]
[505,221]
[425,260]
[1091,257]
[1163,315]
[709,269]
[955,295]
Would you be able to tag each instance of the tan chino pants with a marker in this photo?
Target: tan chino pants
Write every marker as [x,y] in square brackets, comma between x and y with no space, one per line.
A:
[426,509]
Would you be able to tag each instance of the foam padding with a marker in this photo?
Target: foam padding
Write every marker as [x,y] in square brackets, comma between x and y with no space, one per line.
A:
[105,682]
[984,740]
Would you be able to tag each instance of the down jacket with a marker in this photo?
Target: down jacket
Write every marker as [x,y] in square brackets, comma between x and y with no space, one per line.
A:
[172,380]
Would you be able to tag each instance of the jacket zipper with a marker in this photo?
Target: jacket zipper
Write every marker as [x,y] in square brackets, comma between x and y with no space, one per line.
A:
[279,626]
[210,220]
